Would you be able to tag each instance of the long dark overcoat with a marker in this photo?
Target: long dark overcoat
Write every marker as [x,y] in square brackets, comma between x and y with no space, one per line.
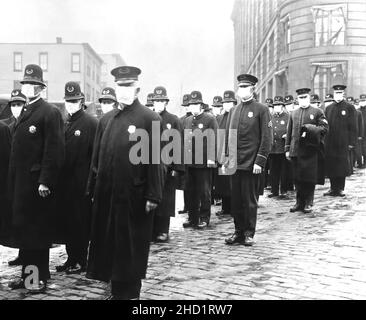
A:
[121,228]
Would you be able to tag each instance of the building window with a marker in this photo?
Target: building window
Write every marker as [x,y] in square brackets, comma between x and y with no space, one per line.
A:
[327,74]
[287,34]
[88,92]
[18,61]
[330,25]
[75,62]
[17,84]
[43,61]
[93,76]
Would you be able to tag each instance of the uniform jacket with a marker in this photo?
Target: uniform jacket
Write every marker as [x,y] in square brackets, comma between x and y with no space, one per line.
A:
[121,229]
[201,123]
[342,134]
[183,178]
[253,123]
[360,125]
[74,205]
[279,123]
[37,155]
[363,112]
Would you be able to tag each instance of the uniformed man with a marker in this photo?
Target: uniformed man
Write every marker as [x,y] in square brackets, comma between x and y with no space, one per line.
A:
[315,101]
[166,208]
[107,100]
[223,183]
[328,100]
[278,159]
[265,180]
[199,178]
[360,134]
[363,112]
[126,192]
[269,103]
[37,156]
[290,106]
[183,178]
[74,205]
[149,101]
[289,103]
[352,152]
[217,107]
[248,150]
[342,137]
[305,148]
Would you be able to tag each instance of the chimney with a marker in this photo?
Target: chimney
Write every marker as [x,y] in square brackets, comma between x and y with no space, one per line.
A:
[58,40]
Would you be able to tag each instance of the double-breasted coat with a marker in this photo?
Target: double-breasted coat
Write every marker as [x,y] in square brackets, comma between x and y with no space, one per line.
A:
[121,228]
[37,155]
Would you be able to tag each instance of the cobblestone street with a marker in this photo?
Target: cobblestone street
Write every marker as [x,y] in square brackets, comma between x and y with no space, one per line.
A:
[296,256]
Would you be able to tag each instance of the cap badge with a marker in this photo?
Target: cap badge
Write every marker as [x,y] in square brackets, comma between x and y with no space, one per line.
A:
[159,91]
[250,114]
[124,70]
[32,129]
[77,133]
[312,117]
[70,89]
[106,92]
[15,93]
[29,71]
[194,96]
[131,129]
[227,95]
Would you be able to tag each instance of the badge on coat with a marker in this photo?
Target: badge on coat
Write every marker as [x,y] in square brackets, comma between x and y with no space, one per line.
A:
[343,112]
[169,126]
[312,117]
[282,122]
[131,129]
[250,114]
[200,126]
[32,129]
[77,133]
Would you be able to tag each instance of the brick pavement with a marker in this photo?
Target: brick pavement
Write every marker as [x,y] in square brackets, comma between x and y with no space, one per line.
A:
[296,256]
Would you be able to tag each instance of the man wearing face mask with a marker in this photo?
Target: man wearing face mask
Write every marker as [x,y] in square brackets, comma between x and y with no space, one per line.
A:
[278,159]
[108,100]
[223,184]
[328,100]
[247,156]
[126,191]
[149,101]
[360,135]
[290,107]
[363,112]
[37,156]
[305,148]
[217,106]
[352,152]
[74,206]
[342,138]
[289,103]
[166,208]
[183,178]
[199,176]
[315,101]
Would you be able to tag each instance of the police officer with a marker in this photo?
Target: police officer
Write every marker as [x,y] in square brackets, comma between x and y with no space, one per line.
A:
[278,159]
[127,190]
[289,103]
[290,107]
[352,152]
[107,100]
[342,138]
[248,150]
[360,134]
[166,208]
[328,100]
[315,101]
[304,147]
[74,206]
[149,101]
[363,112]
[37,156]
[183,178]
[202,153]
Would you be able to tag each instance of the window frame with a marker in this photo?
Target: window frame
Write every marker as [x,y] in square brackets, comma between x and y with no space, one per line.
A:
[40,62]
[75,54]
[17,53]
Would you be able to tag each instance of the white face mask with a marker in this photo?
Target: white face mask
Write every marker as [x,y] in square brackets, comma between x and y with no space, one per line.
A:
[126,95]
[72,108]
[277,109]
[304,103]
[328,103]
[29,90]
[106,107]
[245,92]
[290,107]
[195,109]
[362,103]
[217,111]
[227,106]
[314,105]
[338,97]
[16,111]
[159,106]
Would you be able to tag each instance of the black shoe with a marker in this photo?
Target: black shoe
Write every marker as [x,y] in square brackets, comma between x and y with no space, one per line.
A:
[272,195]
[162,237]
[38,288]
[183,211]
[340,194]
[248,241]
[75,269]
[220,213]
[16,284]
[283,196]
[308,209]
[63,267]
[330,193]
[203,224]
[189,224]
[236,239]
[296,207]
[16,262]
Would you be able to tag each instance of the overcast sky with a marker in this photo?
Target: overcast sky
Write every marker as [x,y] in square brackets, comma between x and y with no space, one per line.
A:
[183,45]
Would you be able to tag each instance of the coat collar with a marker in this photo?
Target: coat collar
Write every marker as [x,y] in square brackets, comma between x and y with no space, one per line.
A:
[76,115]
[28,110]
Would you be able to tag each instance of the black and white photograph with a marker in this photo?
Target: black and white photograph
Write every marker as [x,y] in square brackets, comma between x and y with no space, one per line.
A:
[201,151]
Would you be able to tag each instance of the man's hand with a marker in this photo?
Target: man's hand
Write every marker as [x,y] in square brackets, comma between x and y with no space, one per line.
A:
[44,191]
[174,173]
[284,136]
[210,164]
[150,206]
[257,169]
[288,155]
